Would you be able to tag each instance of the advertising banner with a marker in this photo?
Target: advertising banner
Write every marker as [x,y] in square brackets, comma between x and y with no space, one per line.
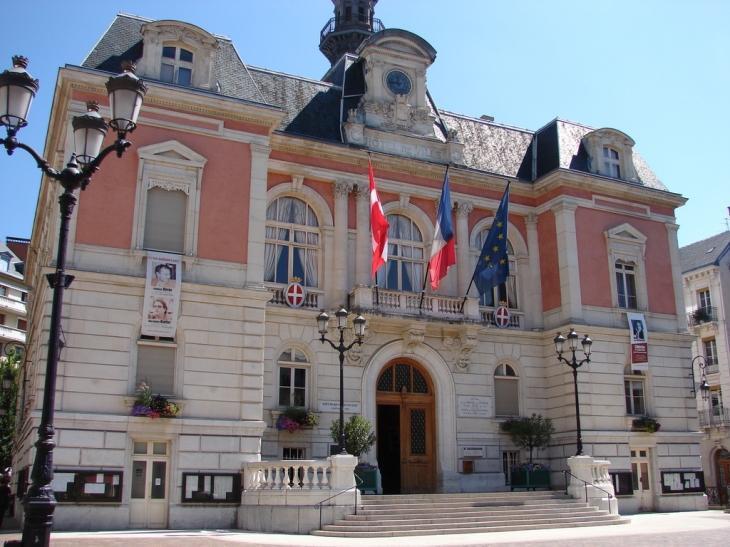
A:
[161,294]
[639,349]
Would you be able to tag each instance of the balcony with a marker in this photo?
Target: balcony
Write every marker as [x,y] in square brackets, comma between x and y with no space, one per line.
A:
[716,417]
[449,308]
[16,306]
[355,21]
[11,334]
[312,299]
[702,315]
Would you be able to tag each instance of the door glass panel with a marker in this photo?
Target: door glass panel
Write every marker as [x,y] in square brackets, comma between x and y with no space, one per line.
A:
[386,380]
[159,470]
[645,476]
[402,377]
[634,476]
[159,448]
[139,477]
[419,382]
[140,448]
[418,432]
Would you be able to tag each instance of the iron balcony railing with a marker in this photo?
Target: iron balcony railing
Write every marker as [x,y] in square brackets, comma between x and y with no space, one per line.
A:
[718,495]
[706,314]
[355,21]
[712,368]
[715,417]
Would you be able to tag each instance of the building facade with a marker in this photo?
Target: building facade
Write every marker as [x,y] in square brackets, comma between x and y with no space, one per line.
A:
[13,295]
[252,180]
[706,280]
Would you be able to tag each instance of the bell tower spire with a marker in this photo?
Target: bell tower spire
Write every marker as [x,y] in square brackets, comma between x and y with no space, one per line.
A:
[353,22]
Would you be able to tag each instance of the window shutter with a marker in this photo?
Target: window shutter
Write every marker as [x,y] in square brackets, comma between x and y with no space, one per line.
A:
[156,366]
[506,395]
[164,228]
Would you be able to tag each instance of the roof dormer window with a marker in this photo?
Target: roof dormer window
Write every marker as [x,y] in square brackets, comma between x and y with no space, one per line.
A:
[177,65]
[611,162]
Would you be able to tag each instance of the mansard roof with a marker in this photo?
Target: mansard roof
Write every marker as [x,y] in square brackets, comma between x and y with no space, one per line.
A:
[314,111]
[707,252]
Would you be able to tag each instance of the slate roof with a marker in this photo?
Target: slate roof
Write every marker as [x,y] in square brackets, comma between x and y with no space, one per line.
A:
[16,266]
[313,109]
[704,253]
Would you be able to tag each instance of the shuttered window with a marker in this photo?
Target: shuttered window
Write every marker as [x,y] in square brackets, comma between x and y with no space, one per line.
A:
[164,228]
[156,367]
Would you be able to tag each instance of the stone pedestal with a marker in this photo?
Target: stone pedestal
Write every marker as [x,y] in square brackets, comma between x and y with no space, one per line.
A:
[598,491]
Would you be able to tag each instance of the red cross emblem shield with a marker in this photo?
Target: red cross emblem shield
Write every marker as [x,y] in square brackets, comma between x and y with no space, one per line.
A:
[294,295]
[501,317]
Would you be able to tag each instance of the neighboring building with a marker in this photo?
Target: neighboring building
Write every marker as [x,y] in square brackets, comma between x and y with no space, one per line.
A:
[253,178]
[13,297]
[706,279]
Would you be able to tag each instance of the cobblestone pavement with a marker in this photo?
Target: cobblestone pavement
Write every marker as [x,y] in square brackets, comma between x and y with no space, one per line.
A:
[702,528]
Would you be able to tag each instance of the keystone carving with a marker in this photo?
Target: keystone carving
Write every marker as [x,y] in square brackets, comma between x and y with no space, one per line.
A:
[461,346]
[412,337]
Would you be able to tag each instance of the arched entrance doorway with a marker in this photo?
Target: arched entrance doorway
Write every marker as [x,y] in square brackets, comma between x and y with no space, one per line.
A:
[723,473]
[406,429]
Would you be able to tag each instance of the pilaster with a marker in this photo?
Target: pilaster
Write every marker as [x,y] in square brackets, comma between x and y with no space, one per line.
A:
[362,242]
[532,287]
[257,216]
[463,266]
[339,285]
[676,276]
[572,309]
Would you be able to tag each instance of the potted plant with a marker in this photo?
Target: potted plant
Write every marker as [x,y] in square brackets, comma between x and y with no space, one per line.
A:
[295,418]
[152,406]
[701,315]
[359,438]
[650,425]
[530,433]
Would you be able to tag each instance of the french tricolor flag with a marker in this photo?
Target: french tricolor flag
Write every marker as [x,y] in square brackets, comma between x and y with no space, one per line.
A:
[379,225]
[443,250]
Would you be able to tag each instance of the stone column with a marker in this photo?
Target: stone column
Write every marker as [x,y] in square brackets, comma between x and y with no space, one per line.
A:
[463,264]
[570,297]
[339,285]
[532,281]
[257,216]
[363,246]
[677,276]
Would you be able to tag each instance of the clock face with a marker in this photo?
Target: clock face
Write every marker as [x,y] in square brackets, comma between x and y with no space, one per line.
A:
[398,83]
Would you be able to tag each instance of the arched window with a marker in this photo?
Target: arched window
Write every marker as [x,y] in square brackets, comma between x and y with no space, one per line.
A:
[611,162]
[400,377]
[177,65]
[292,242]
[404,269]
[507,291]
[293,369]
[506,391]
[634,391]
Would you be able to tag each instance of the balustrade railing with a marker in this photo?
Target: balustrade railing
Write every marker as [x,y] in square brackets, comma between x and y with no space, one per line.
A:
[12,334]
[715,417]
[705,314]
[11,304]
[356,20]
[515,318]
[287,475]
[718,495]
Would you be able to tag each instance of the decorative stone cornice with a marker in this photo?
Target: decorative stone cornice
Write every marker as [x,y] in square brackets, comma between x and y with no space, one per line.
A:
[168,185]
[462,345]
[531,221]
[260,150]
[463,208]
[362,192]
[564,206]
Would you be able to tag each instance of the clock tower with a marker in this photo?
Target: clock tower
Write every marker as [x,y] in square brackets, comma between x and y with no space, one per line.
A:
[353,22]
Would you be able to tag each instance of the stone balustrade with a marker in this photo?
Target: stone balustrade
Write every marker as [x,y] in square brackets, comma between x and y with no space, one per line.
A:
[599,490]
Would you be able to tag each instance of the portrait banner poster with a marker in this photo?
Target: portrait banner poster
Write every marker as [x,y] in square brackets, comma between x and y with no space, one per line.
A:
[639,341]
[161,294]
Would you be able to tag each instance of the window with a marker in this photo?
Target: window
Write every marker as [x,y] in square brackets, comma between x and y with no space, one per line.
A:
[611,162]
[507,291]
[404,269]
[23,296]
[164,228]
[716,401]
[626,285]
[4,262]
[711,352]
[506,391]
[156,364]
[3,290]
[292,378]
[509,460]
[634,391]
[704,298]
[292,242]
[177,65]
[2,318]
[211,488]
[22,324]
[622,483]
[293,454]
[87,486]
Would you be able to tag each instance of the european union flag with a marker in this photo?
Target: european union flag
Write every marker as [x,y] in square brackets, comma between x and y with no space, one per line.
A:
[493,264]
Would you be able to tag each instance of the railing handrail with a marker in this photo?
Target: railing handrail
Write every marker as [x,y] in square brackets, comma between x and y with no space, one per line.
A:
[320,504]
[585,485]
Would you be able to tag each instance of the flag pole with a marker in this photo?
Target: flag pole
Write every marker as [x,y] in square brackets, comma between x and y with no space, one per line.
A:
[423,288]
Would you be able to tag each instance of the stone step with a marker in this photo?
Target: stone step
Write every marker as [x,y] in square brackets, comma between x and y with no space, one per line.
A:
[476,513]
[435,505]
[400,532]
[399,498]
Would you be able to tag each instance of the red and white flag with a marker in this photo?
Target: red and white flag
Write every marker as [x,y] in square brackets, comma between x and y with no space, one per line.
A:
[379,225]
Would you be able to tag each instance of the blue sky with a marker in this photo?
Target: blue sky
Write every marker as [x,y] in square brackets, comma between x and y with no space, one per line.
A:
[657,70]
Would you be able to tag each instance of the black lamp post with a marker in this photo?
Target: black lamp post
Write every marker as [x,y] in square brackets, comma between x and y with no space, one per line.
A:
[323,322]
[575,365]
[17,90]
[704,386]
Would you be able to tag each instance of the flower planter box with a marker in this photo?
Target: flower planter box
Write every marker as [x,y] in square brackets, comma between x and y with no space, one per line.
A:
[369,478]
[538,478]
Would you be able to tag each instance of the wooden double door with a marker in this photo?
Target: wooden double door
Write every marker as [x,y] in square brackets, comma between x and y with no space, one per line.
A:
[406,429]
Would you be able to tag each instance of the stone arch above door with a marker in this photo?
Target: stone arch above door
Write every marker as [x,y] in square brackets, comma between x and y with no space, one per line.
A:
[445,399]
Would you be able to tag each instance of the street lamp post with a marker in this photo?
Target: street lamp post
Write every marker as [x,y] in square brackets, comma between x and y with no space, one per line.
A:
[575,365]
[704,386]
[17,90]
[322,323]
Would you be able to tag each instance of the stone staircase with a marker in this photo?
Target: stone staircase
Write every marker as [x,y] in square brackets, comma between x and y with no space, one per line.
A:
[435,514]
